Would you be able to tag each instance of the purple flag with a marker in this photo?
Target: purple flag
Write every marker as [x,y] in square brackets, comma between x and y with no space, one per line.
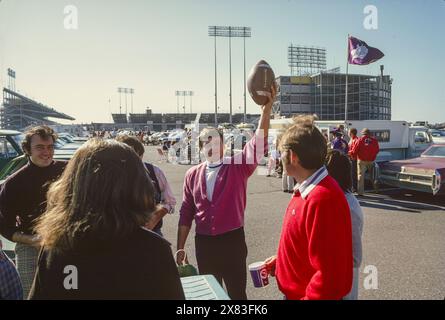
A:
[362,54]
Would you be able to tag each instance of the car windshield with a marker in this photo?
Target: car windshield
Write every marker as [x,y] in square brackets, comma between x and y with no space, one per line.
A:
[67,136]
[67,139]
[18,138]
[58,144]
[422,137]
[436,151]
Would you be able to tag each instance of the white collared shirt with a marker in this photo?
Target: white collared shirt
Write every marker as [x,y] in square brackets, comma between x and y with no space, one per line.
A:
[212,170]
[310,183]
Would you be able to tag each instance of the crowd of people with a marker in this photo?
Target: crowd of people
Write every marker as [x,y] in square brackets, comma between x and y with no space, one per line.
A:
[101,214]
[141,135]
[361,151]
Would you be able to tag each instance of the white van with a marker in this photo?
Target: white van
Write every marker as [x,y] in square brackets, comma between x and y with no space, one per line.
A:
[397,139]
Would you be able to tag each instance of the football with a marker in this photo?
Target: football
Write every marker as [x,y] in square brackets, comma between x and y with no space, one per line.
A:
[259,82]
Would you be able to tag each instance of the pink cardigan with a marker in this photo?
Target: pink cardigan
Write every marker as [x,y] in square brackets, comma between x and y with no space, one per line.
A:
[226,212]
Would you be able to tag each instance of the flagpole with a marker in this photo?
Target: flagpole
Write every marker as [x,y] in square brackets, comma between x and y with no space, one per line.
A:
[346,91]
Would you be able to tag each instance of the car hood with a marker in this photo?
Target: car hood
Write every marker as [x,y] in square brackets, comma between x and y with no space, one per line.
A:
[422,164]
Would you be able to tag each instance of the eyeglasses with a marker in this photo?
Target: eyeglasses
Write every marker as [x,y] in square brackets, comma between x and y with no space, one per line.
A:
[41,147]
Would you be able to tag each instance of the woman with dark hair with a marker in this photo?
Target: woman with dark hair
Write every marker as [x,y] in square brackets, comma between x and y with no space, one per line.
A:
[163,192]
[339,168]
[94,245]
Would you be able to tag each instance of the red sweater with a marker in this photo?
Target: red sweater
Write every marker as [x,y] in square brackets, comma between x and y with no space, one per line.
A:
[365,149]
[314,259]
[352,145]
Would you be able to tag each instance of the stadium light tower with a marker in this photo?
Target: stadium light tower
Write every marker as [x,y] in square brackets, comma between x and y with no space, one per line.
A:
[11,79]
[131,90]
[120,90]
[177,94]
[246,34]
[306,60]
[190,94]
[230,32]
[213,33]
[184,94]
[126,108]
[125,91]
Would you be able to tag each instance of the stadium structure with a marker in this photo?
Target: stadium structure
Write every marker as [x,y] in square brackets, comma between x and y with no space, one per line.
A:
[323,94]
[19,112]
[168,121]
[311,89]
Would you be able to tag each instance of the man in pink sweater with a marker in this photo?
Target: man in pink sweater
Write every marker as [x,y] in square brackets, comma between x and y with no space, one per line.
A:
[214,196]
[314,259]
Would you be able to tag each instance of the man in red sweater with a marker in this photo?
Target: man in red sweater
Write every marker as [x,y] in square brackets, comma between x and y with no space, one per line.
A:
[352,142]
[314,259]
[365,151]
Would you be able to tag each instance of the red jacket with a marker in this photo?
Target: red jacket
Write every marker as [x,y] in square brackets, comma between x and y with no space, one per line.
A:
[366,149]
[314,260]
[352,144]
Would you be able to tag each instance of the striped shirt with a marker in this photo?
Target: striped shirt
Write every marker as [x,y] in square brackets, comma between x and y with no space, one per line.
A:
[310,183]
[10,284]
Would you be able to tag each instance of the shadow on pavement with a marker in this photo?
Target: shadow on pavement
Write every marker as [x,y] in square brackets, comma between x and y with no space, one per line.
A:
[402,200]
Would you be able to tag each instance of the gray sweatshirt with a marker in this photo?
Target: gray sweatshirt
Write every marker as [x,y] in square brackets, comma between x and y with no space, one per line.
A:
[357,228]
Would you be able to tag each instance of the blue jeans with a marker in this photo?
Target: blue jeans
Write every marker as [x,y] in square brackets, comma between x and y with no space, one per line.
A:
[353,294]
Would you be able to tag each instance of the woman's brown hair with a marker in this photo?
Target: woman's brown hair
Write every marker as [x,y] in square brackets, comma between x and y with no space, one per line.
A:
[339,168]
[132,142]
[104,194]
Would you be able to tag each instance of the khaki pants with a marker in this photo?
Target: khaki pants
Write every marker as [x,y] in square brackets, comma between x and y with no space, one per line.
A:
[287,182]
[354,175]
[362,167]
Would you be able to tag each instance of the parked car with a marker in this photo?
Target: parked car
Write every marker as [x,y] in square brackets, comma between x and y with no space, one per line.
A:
[425,173]
[176,135]
[438,136]
[10,146]
[72,138]
[65,144]
[157,137]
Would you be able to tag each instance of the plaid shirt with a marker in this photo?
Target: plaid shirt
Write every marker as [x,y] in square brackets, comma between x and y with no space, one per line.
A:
[10,284]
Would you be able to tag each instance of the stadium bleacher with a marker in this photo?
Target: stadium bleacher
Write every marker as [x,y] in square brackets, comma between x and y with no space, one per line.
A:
[19,112]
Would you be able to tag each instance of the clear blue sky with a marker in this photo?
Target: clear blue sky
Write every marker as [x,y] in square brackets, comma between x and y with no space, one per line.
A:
[157,47]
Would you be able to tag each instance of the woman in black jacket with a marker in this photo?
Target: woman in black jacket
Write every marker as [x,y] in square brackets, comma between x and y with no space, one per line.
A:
[94,245]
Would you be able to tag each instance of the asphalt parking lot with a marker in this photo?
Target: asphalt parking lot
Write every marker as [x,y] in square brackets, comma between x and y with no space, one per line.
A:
[403,237]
